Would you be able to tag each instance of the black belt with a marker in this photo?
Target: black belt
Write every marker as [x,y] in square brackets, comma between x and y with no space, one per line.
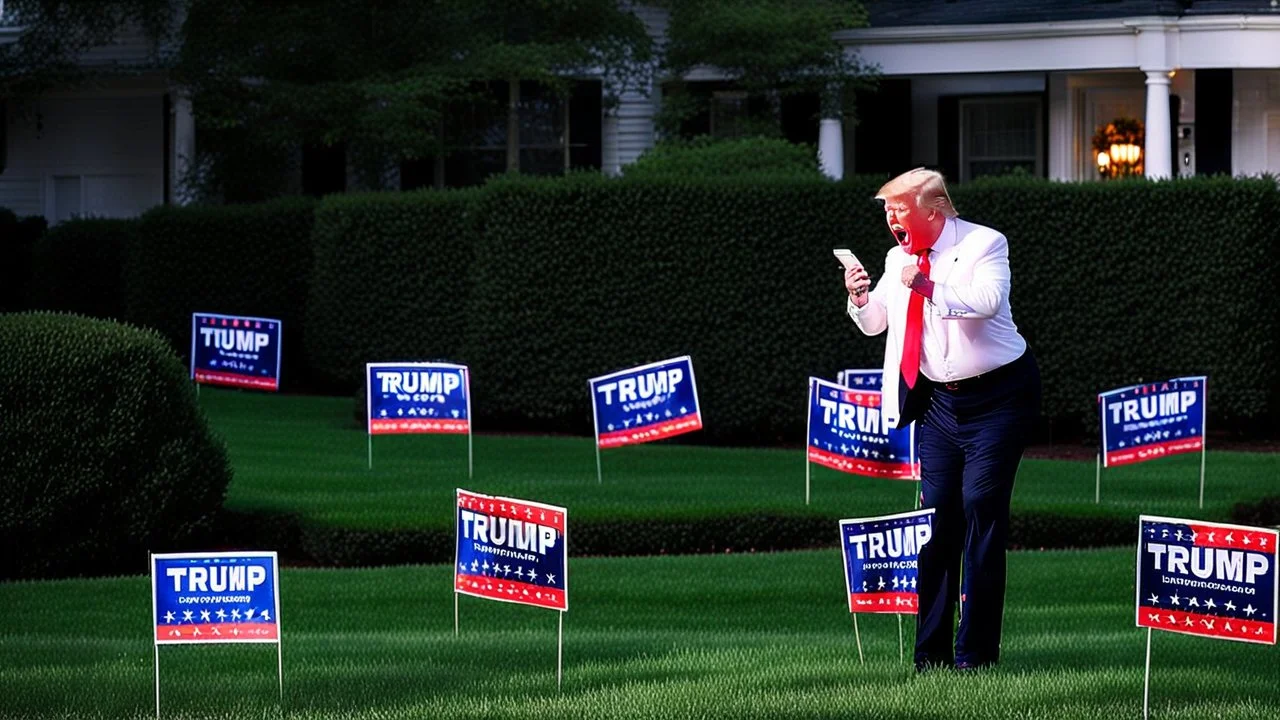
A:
[984,380]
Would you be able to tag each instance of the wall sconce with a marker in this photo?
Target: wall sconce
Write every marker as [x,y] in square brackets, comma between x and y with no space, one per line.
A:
[1117,148]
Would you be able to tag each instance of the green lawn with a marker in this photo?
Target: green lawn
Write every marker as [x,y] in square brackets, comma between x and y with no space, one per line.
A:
[673,637]
[307,455]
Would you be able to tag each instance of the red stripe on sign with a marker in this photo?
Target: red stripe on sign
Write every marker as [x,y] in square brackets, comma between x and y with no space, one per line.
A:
[649,433]
[225,632]
[1254,539]
[901,603]
[1207,625]
[511,591]
[212,377]
[402,426]
[515,509]
[859,466]
[1142,453]
[865,398]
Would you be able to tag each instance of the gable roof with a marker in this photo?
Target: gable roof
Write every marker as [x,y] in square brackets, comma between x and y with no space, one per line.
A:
[904,13]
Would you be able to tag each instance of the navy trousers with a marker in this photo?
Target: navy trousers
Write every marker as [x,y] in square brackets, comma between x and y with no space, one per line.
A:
[971,438]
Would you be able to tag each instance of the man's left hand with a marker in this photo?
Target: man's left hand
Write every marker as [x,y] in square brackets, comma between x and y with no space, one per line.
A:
[917,281]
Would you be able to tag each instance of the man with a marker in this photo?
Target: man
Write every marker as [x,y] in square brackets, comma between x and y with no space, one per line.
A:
[955,362]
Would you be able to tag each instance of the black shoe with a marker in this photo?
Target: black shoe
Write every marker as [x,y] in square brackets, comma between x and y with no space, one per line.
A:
[924,666]
[965,666]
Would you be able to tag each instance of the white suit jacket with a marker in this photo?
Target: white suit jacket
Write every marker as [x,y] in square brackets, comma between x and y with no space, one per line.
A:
[968,325]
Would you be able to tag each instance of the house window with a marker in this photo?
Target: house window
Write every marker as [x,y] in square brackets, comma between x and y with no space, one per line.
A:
[556,134]
[729,113]
[1001,135]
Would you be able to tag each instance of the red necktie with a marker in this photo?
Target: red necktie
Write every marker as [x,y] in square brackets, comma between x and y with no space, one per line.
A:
[915,329]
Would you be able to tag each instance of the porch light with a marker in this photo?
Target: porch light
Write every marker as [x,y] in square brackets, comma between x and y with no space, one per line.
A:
[1117,148]
[1127,153]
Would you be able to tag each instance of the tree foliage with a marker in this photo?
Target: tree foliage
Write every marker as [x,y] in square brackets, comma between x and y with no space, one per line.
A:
[386,78]
[56,34]
[767,47]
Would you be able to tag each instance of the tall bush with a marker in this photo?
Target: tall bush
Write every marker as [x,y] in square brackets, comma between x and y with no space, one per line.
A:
[104,453]
[236,259]
[78,267]
[390,280]
[18,237]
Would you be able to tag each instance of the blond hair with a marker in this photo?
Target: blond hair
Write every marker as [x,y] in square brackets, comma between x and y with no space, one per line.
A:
[928,187]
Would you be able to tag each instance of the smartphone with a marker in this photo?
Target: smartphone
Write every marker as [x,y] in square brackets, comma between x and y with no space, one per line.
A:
[847,258]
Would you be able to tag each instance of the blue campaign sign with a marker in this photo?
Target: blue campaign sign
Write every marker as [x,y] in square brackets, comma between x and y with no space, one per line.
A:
[861,379]
[236,351]
[216,597]
[512,550]
[1208,579]
[645,403]
[1149,421]
[418,398]
[846,433]
[880,560]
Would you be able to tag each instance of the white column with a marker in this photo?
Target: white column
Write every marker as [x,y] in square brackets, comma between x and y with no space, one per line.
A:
[1158,162]
[831,148]
[184,146]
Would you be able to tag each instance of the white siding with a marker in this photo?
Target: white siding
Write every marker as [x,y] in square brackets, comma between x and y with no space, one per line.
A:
[85,154]
[630,130]
[130,49]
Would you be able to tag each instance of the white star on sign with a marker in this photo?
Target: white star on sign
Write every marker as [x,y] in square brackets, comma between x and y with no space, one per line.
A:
[1190,622]
[235,614]
[1194,602]
[881,585]
[551,579]
[462,566]
[168,617]
[1231,537]
[248,614]
[204,616]
[266,615]
[1250,610]
[1211,536]
[1246,540]
[895,582]
[533,574]
[1178,535]
[187,615]
[1155,599]
[1175,599]
[1210,604]
[1230,606]
[222,614]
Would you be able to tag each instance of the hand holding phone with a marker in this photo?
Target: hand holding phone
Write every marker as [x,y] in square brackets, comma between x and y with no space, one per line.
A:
[851,262]
[847,258]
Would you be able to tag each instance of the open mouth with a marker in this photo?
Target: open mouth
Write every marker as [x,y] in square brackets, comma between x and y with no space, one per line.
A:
[899,232]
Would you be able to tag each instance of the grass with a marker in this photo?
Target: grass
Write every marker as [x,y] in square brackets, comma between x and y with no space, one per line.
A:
[307,455]
[672,637]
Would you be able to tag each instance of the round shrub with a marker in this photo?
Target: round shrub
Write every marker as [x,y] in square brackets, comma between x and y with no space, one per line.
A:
[104,453]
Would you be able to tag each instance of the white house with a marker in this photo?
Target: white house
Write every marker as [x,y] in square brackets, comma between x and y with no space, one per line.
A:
[989,83]
[113,148]
[973,87]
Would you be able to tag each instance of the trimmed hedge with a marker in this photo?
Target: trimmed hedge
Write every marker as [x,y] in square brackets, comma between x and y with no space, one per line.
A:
[235,259]
[305,544]
[78,267]
[17,239]
[1122,282]
[577,278]
[1113,283]
[390,281]
[104,454]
